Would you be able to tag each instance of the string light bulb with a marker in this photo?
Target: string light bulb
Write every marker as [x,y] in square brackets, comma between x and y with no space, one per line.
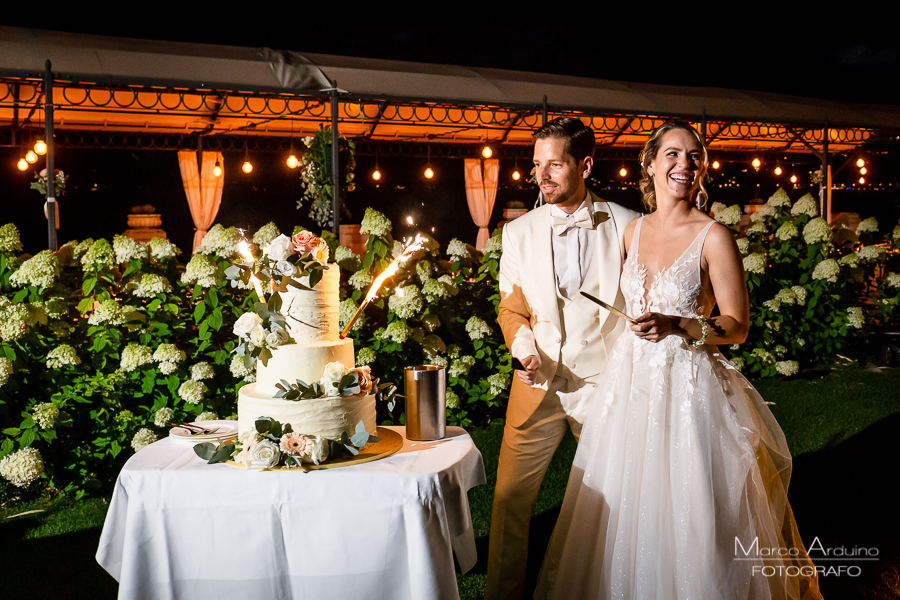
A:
[778,170]
[247,167]
[487,152]
[429,172]
[516,175]
[376,174]
[793,179]
[217,170]
[40,147]
[715,164]
[862,180]
[623,172]
[860,162]
[22,164]
[863,170]
[756,163]
[293,162]
[31,157]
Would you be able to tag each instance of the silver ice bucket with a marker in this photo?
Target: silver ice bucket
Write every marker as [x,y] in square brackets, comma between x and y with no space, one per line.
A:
[426,402]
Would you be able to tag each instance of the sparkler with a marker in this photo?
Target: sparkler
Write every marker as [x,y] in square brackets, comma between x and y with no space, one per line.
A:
[417,244]
[244,249]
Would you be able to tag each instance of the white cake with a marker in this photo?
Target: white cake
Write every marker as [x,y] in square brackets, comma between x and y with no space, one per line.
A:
[312,320]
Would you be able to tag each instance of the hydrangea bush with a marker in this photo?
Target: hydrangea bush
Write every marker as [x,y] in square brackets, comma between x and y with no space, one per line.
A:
[814,291]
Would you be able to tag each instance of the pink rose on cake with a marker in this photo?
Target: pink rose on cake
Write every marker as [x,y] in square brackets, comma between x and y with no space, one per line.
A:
[306,241]
[365,379]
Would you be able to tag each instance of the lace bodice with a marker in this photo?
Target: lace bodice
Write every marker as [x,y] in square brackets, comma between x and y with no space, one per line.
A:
[676,290]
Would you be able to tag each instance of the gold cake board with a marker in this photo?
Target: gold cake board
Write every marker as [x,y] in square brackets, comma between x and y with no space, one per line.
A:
[391,441]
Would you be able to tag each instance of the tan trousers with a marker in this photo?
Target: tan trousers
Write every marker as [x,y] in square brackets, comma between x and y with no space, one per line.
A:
[525,454]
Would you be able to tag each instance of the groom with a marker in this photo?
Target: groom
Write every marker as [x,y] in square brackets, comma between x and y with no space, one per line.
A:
[571,244]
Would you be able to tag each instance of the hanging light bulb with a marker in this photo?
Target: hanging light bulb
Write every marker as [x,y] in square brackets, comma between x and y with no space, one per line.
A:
[247,167]
[860,162]
[863,171]
[31,157]
[487,152]
[623,172]
[40,147]
[778,170]
[429,172]
[756,163]
[715,164]
[793,179]
[516,175]
[22,164]
[376,174]
[292,161]
[862,180]
[217,170]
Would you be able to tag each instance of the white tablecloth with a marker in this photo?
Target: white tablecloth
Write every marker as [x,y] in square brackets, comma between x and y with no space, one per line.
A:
[179,528]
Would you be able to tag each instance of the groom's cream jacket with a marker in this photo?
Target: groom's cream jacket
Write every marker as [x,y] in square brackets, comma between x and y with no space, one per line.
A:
[530,312]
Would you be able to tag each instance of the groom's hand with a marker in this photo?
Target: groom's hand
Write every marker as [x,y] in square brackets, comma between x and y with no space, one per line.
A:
[532,365]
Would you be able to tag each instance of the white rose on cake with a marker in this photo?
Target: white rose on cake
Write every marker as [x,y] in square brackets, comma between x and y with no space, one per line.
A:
[334,371]
[257,335]
[285,267]
[264,454]
[317,452]
[279,248]
[245,324]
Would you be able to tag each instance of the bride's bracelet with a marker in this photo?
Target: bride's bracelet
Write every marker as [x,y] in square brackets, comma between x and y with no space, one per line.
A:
[704,330]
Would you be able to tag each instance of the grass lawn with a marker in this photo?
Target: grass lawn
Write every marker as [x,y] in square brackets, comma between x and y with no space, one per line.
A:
[840,426]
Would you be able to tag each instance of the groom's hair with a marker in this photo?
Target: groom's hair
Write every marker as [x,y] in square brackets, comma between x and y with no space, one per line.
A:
[579,138]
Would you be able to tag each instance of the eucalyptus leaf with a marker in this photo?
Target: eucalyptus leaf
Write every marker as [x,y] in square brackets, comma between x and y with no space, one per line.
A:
[205,450]
[264,356]
[222,454]
[275,303]
[263,424]
[360,439]
[315,277]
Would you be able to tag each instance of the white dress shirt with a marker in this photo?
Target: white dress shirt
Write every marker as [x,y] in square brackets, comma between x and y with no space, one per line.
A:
[572,251]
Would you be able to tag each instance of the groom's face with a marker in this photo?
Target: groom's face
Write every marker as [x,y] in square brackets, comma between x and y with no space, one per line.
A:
[559,175]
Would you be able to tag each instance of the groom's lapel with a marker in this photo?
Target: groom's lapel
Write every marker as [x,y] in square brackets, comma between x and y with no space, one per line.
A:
[543,273]
[607,258]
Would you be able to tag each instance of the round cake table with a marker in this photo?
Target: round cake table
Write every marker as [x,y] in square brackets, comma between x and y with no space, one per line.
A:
[179,528]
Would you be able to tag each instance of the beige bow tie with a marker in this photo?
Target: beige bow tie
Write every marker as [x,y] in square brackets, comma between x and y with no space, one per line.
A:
[581,218]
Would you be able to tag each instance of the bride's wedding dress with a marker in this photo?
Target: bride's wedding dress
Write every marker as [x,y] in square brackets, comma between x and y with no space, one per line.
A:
[679,485]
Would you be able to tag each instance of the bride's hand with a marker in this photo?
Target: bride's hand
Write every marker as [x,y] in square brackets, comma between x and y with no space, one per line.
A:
[655,326]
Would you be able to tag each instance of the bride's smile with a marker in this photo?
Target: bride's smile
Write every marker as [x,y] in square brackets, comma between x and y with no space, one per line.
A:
[677,167]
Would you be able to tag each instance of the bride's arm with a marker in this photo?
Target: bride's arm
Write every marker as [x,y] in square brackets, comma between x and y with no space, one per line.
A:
[726,276]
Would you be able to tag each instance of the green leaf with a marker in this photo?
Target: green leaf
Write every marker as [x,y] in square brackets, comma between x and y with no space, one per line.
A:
[215,319]
[264,356]
[88,286]
[222,454]
[205,450]
[20,296]
[199,310]
[315,277]
[274,303]
[12,431]
[263,424]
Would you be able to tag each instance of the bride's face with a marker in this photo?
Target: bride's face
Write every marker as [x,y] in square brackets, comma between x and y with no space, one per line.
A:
[676,167]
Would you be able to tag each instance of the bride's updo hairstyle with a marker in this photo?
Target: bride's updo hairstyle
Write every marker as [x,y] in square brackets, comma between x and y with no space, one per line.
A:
[651,149]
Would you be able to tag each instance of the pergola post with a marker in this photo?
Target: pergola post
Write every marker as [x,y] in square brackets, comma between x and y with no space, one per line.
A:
[825,186]
[335,165]
[51,176]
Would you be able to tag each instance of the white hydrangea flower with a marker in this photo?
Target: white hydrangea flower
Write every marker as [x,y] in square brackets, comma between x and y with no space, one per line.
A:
[755,263]
[41,270]
[787,231]
[375,223]
[434,289]
[452,399]
[100,253]
[757,227]
[347,310]
[817,230]
[61,356]
[397,331]
[786,296]
[895,234]
[806,205]
[774,305]
[763,213]
[438,360]
[161,249]
[477,328]
[127,249]
[800,293]
[406,302]
[780,350]
[892,280]
[45,414]
[430,322]
[208,416]
[163,416]
[14,318]
[498,382]
[6,369]
[135,356]
[347,259]
[773,325]
[764,355]
[143,438]
[448,281]
[433,345]
[192,391]
[149,285]
[265,234]
[779,198]
[787,367]
[827,269]
[168,353]
[220,241]
[423,270]
[109,312]
[738,362]
[457,250]
[237,368]
[855,316]
[397,250]
[743,245]
[494,245]
[82,247]
[361,279]
[365,356]
[849,260]
[65,254]
[459,366]
[729,216]
[869,225]
[22,467]
[9,238]
[200,270]
[202,370]
[870,253]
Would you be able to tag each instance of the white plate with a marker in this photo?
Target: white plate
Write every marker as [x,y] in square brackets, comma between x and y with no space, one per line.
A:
[220,429]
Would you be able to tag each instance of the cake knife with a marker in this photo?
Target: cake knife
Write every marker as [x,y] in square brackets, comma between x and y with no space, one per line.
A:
[611,309]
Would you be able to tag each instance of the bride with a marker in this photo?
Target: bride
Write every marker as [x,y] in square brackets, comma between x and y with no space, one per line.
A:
[679,485]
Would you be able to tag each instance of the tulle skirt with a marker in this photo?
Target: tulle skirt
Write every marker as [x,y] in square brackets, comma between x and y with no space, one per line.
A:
[678,488]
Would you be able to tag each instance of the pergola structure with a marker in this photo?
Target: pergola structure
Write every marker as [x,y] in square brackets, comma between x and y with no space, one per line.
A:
[126,93]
